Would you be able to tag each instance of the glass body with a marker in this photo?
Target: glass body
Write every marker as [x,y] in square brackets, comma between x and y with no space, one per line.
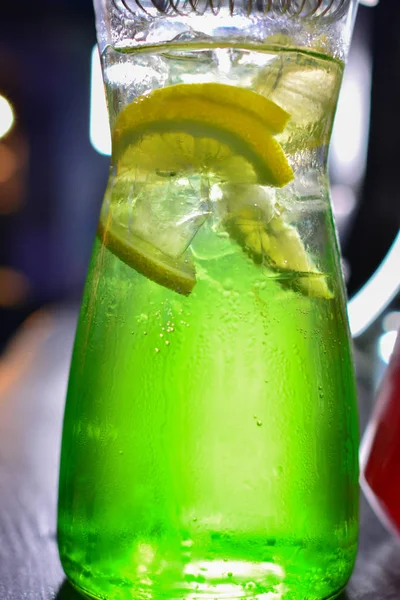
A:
[210,439]
[381,448]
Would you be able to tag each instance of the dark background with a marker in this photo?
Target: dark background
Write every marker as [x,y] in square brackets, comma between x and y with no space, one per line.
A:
[48,210]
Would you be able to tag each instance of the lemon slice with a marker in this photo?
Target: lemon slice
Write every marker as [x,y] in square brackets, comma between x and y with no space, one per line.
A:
[307,86]
[207,128]
[188,132]
[163,103]
[175,274]
[261,229]
[287,252]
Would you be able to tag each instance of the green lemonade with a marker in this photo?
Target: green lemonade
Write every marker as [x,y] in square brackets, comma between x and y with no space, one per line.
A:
[210,436]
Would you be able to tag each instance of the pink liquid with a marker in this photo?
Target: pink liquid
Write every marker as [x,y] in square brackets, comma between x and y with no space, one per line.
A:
[381,448]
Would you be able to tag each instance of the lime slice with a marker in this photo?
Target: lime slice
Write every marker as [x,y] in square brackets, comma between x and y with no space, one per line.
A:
[188,134]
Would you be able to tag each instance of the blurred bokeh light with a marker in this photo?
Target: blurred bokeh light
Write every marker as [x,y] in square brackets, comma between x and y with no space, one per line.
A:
[6,116]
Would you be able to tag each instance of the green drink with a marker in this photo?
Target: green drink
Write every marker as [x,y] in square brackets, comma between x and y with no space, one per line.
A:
[210,434]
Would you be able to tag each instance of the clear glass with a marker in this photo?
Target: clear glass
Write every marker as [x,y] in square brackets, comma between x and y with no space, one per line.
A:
[210,437]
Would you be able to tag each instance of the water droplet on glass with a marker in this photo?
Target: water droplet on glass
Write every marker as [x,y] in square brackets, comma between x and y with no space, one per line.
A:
[167,342]
[259,423]
[157,350]
[250,585]
[230,574]
[161,335]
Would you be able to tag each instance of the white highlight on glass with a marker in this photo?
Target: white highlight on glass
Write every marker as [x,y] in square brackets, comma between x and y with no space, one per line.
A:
[386,345]
[99,128]
[350,133]
[218,569]
[377,293]
[6,116]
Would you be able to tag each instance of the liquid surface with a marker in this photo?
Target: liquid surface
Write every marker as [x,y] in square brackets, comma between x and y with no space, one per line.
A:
[210,440]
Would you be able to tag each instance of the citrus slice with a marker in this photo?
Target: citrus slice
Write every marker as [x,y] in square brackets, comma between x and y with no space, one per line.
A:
[269,113]
[307,86]
[175,274]
[203,128]
[190,133]
[262,231]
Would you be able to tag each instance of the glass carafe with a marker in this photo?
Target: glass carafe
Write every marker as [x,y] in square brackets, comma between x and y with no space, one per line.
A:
[210,436]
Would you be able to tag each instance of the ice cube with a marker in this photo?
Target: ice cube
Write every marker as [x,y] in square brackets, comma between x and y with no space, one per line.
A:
[129,76]
[231,198]
[168,213]
[307,88]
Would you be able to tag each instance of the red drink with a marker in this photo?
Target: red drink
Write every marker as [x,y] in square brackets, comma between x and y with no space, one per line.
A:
[381,448]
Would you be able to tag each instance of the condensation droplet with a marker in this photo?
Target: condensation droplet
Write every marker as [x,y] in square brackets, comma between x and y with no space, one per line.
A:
[144,332]
[167,342]
[157,350]
[250,585]
[161,335]
[258,423]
